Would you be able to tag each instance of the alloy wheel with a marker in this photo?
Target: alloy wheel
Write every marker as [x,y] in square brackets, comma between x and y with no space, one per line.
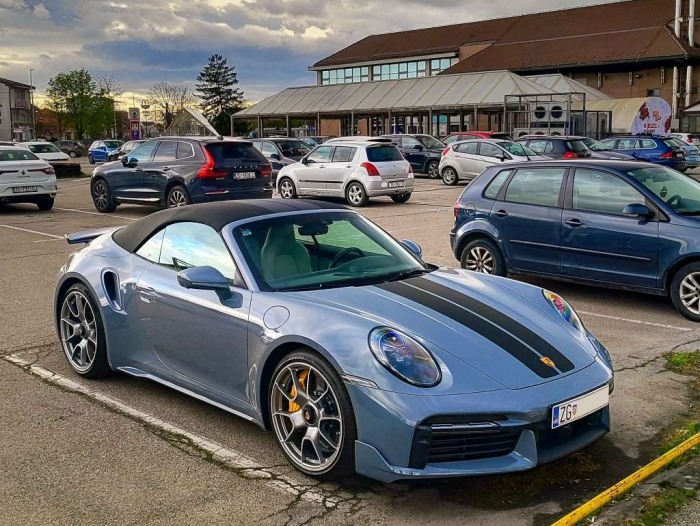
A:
[433,170]
[286,189]
[100,195]
[480,259]
[449,175]
[306,417]
[355,194]
[176,198]
[78,329]
[690,292]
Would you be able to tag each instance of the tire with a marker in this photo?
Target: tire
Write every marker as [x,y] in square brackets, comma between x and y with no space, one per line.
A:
[287,190]
[432,168]
[401,198]
[685,291]
[46,204]
[177,196]
[102,197]
[82,333]
[482,255]
[91,159]
[333,456]
[356,195]
[72,154]
[449,176]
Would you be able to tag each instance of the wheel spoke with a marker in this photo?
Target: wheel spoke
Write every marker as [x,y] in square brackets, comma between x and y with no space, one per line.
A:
[284,393]
[298,387]
[83,353]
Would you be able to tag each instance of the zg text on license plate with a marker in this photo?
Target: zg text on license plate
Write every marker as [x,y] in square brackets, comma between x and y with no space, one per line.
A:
[572,410]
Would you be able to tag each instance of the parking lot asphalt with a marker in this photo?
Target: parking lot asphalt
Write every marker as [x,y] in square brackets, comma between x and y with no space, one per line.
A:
[80,458]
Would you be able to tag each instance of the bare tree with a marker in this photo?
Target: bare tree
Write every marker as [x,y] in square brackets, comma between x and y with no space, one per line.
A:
[108,83]
[171,98]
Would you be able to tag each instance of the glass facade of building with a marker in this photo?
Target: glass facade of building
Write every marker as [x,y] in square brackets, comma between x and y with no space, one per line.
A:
[345,75]
[400,70]
[440,64]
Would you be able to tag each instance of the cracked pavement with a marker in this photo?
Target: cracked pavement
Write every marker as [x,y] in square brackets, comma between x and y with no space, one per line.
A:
[69,459]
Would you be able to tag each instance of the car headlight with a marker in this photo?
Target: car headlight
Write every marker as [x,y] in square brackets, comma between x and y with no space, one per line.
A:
[565,310]
[404,357]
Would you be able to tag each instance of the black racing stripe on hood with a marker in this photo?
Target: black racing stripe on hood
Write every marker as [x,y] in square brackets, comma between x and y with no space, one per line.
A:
[517,329]
[489,330]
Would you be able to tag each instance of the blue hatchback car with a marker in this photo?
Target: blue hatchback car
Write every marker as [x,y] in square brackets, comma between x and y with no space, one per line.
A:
[622,224]
[99,150]
[658,150]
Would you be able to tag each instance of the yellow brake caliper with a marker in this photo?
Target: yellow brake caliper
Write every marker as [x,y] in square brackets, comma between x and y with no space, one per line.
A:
[293,406]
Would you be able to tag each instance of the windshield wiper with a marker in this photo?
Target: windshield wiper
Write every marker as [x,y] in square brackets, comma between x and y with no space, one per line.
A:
[405,274]
[690,213]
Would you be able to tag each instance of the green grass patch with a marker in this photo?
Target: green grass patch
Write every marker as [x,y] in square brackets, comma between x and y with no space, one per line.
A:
[684,362]
[660,506]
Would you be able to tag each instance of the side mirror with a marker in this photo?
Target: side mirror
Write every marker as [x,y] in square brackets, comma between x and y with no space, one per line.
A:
[636,210]
[418,148]
[129,162]
[413,247]
[276,156]
[305,160]
[205,278]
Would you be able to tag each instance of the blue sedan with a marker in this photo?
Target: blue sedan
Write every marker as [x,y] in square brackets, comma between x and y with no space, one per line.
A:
[307,319]
[621,224]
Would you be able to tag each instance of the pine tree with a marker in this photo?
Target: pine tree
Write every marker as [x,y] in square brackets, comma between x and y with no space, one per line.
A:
[216,87]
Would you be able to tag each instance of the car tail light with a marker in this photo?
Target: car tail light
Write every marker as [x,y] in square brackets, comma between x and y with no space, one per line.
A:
[570,155]
[457,207]
[668,155]
[266,171]
[49,170]
[444,152]
[371,169]
[208,169]
[410,169]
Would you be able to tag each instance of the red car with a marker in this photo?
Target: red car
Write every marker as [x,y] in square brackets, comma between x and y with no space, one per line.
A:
[463,136]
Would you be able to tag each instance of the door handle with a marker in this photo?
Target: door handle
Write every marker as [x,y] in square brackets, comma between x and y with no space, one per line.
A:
[138,169]
[166,168]
[574,222]
[147,294]
[348,166]
[322,166]
[502,213]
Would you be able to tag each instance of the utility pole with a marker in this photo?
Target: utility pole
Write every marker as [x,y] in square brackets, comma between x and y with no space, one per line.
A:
[31,102]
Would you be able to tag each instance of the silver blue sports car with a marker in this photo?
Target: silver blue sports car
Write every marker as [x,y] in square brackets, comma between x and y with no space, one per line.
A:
[307,318]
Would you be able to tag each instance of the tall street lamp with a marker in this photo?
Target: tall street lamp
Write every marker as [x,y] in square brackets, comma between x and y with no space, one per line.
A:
[31,102]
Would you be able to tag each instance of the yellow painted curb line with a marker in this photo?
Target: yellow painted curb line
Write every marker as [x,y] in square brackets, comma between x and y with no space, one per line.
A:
[621,487]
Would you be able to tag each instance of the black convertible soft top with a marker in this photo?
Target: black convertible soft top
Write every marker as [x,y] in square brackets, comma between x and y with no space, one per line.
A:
[216,215]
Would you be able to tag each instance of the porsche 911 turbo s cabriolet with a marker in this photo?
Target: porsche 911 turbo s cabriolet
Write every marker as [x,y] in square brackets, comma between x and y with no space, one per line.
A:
[308,319]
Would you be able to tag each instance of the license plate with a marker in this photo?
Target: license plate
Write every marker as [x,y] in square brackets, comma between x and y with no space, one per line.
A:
[23,189]
[244,175]
[572,410]
[395,184]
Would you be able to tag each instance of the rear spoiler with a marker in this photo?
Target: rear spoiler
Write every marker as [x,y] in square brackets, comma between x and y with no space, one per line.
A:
[85,236]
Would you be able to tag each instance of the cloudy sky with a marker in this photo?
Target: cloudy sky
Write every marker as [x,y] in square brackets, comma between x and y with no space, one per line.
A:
[271,42]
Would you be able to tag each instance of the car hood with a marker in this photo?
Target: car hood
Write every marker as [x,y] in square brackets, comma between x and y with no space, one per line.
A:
[611,155]
[482,322]
[53,156]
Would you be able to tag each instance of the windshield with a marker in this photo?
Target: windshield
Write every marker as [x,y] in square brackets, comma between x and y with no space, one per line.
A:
[680,192]
[595,146]
[429,141]
[577,145]
[44,148]
[322,250]
[517,149]
[17,155]
[112,144]
[294,149]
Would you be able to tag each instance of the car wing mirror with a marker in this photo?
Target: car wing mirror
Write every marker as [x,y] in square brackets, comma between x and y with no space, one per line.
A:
[129,162]
[205,278]
[413,247]
[306,160]
[637,210]
[276,156]
[418,148]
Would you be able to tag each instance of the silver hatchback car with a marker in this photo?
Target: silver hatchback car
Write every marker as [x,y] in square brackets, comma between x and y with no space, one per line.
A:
[355,170]
[467,159]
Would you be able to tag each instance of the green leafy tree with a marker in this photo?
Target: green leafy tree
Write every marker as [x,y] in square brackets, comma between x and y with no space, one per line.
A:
[216,87]
[76,92]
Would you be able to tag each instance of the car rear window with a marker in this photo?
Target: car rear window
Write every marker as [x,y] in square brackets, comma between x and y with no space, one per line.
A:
[17,155]
[380,154]
[227,153]
[671,143]
[576,146]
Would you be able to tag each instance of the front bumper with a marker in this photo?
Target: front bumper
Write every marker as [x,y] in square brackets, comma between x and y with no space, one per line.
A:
[381,187]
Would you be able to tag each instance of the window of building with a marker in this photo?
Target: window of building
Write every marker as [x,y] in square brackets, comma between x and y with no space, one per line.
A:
[438,65]
[345,75]
[655,92]
[401,70]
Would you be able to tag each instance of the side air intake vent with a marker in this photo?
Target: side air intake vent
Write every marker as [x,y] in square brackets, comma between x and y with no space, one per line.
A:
[110,280]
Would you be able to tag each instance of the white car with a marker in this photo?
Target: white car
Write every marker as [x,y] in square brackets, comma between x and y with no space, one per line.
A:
[45,150]
[689,138]
[467,159]
[24,178]
[355,170]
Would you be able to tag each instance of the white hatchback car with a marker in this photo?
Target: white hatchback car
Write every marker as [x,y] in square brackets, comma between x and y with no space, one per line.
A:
[355,170]
[467,159]
[45,150]
[26,178]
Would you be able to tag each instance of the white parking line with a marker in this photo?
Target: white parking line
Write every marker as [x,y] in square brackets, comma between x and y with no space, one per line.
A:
[237,461]
[95,213]
[640,322]
[31,231]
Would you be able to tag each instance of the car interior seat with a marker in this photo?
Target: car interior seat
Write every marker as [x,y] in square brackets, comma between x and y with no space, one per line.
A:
[282,255]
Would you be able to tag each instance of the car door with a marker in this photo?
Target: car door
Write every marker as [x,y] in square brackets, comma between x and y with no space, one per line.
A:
[311,175]
[527,216]
[630,147]
[162,167]
[598,242]
[414,152]
[489,154]
[198,337]
[340,167]
[127,181]
[465,157]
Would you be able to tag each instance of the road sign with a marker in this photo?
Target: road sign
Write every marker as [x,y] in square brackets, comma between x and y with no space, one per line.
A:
[135,128]
[134,114]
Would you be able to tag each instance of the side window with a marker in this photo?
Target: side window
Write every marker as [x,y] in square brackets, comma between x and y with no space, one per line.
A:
[343,154]
[469,148]
[151,248]
[322,154]
[536,186]
[101,145]
[604,193]
[188,245]
[143,153]
[495,186]
[490,150]
[538,145]
[268,149]
[627,144]
[167,151]
[648,143]
[184,150]
[94,145]
[610,143]
[409,142]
